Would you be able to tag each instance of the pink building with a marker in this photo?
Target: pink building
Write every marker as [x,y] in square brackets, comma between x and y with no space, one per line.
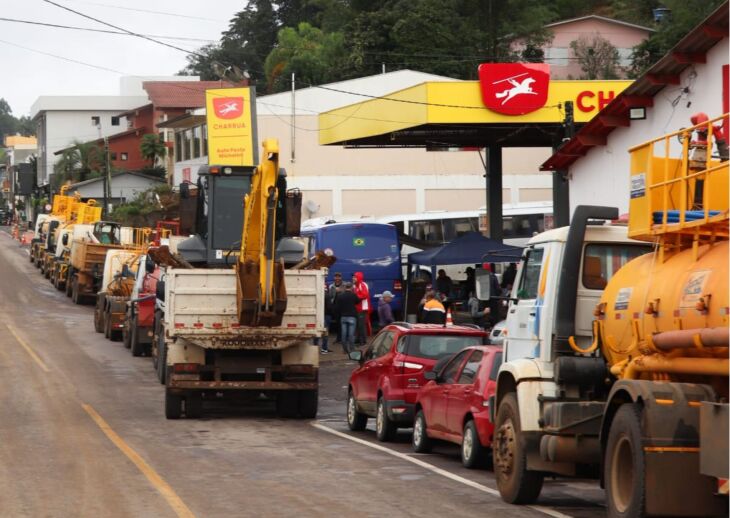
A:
[622,35]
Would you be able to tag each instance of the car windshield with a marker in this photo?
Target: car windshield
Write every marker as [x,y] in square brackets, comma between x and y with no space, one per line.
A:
[435,347]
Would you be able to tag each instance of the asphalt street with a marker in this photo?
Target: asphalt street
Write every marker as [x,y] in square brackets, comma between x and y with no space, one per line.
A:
[83,433]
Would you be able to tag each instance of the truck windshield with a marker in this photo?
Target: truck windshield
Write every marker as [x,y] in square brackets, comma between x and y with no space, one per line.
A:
[602,260]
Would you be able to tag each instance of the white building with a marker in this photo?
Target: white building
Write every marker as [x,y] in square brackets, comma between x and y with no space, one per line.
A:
[374,182]
[691,78]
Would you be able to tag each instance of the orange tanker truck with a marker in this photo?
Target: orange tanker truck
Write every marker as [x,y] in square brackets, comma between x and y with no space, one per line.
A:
[617,343]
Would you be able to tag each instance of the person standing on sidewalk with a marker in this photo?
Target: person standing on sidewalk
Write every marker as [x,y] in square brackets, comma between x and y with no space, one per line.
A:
[328,313]
[360,288]
[346,308]
[385,312]
[333,292]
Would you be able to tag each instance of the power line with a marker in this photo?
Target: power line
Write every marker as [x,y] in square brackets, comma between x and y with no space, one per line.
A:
[90,29]
[149,11]
[70,60]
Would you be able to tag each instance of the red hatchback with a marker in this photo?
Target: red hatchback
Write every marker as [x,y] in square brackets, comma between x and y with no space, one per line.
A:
[392,368]
[454,404]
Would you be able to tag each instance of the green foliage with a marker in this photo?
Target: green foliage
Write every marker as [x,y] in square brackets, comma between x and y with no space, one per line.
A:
[156,170]
[316,57]
[152,147]
[82,161]
[9,125]
[598,59]
[685,15]
[148,207]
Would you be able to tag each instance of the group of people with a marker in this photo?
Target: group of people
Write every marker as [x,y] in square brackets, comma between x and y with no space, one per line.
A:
[348,308]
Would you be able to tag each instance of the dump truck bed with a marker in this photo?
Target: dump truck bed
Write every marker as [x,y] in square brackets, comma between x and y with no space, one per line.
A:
[85,254]
[200,306]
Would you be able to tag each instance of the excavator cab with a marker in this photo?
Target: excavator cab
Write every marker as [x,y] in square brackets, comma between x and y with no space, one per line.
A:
[107,232]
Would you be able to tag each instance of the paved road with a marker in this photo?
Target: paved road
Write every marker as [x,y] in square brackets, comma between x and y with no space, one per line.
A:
[82,433]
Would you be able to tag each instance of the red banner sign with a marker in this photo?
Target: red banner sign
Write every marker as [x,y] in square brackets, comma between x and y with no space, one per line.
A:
[514,88]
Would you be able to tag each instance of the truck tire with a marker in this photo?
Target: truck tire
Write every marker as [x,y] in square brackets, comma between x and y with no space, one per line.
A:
[385,429]
[516,484]
[136,347]
[355,420]
[162,358]
[173,405]
[287,403]
[194,405]
[624,465]
[308,402]
[473,454]
[126,332]
[75,297]
[98,317]
[422,443]
[69,280]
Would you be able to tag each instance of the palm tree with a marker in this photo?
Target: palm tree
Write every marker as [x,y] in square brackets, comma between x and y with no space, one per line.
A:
[152,148]
[79,161]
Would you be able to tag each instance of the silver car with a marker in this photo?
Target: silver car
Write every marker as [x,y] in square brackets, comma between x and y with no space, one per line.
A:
[496,336]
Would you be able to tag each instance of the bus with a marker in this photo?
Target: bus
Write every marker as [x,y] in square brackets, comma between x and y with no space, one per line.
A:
[367,247]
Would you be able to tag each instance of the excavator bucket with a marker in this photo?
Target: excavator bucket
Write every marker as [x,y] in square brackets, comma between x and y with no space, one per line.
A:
[251,307]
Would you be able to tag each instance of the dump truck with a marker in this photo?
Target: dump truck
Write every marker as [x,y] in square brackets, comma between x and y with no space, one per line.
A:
[248,330]
[139,322]
[120,268]
[43,224]
[616,354]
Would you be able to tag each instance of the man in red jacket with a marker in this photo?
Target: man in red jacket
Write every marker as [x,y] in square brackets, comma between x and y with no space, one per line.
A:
[360,288]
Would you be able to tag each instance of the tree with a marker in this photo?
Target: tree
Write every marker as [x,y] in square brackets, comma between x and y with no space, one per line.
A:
[80,162]
[598,59]
[152,147]
[315,57]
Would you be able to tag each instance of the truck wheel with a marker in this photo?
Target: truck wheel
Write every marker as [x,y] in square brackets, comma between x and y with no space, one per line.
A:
[516,484]
[107,325]
[173,405]
[136,347]
[385,429]
[126,335]
[473,454]
[355,420]
[308,402]
[421,441]
[69,280]
[75,291]
[624,467]
[286,403]
[194,405]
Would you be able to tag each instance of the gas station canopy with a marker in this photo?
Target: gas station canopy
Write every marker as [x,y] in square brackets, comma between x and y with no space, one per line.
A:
[453,114]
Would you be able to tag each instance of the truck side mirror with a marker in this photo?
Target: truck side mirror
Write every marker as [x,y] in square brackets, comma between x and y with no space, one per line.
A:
[64,240]
[483,283]
[149,265]
[356,356]
[184,191]
[430,375]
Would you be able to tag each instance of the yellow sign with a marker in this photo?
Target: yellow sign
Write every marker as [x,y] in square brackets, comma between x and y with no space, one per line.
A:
[457,102]
[231,130]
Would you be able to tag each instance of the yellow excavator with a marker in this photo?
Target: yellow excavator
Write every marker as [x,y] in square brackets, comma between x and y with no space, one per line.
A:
[260,289]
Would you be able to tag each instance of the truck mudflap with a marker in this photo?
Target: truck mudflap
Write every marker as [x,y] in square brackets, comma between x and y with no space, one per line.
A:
[714,439]
[670,428]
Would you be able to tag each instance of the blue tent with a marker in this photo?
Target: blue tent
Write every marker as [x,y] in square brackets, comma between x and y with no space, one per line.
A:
[470,248]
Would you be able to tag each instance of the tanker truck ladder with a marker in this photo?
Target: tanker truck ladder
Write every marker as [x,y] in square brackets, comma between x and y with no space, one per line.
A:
[679,190]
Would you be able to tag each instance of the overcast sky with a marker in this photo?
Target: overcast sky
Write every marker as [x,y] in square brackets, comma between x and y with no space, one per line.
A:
[26,74]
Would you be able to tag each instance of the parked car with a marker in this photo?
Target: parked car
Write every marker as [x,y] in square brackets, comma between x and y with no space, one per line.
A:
[453,405]
[497,334]
[391,372]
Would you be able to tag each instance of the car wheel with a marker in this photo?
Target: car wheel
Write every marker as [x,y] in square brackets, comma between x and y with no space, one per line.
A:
[385,429]
[355,420]
[516,484]
[624,468]
[473,454]
[421,441]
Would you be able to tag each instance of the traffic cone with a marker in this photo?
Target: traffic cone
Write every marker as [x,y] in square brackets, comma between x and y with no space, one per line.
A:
[449,320]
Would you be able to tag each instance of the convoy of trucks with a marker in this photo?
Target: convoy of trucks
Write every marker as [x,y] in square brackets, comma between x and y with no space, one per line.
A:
[616,354]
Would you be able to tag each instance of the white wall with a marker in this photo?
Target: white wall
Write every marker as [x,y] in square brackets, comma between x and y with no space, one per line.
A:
[125,186]
[602,176]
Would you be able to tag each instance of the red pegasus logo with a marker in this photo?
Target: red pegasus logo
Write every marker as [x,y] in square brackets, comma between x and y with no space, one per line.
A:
[228,107]
[514,88]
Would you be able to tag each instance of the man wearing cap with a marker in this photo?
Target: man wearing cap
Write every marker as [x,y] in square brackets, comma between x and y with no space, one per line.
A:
[385,312]
[333,292]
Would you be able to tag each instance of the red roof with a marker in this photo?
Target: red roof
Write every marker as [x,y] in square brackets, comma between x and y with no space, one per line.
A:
[690,50]
[180,94]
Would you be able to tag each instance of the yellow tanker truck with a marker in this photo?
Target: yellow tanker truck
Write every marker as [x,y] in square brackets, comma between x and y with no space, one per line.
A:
[617,344]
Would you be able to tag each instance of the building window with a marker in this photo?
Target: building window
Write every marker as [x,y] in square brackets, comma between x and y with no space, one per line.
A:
[124,156]
[95,120]
[197,141]
[178,146]
[187,142]
[115,121]
[205,139]
[113,155]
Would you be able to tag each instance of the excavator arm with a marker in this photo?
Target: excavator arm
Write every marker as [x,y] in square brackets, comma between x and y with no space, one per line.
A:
[261,294]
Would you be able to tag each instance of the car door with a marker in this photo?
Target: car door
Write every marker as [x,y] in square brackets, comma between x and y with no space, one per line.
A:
[523,320]
[460,396]
[446,380]
[362,381]
[375,365]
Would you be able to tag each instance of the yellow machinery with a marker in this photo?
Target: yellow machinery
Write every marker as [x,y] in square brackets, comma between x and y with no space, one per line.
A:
[261,294]
[664,316]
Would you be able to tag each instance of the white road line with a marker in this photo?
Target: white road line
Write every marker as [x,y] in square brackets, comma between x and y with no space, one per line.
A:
[451,476]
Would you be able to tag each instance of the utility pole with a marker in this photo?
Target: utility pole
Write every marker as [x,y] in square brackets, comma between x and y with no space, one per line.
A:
[293,117]
[107,177]
[561,185]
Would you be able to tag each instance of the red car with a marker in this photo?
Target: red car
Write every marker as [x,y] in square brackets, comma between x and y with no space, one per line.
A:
[392,368]
[454,404]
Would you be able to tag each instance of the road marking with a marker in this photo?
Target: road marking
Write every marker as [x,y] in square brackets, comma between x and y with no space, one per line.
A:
[155,479]
[28,349]
[451,476]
